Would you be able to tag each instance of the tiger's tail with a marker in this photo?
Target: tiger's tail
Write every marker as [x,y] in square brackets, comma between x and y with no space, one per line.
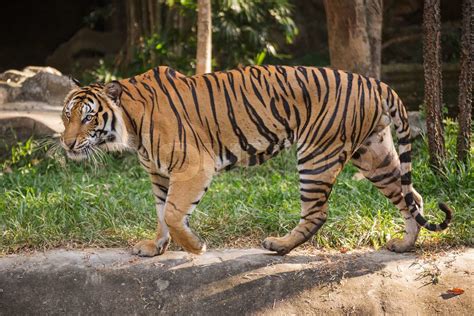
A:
[399,117]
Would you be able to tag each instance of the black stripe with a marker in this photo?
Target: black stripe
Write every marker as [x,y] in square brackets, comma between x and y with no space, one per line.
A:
[304,198]
[404,140]
[316,209]
[314,190]
[381,177]
[405,157]
[263,130]
[181,133]
[409,200]
[196,103]
[211,98]
[406,178]
[318,170]
[316,182]
[244,144]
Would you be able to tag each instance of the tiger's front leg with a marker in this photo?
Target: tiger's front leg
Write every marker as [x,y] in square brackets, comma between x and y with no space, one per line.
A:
[148,247]
[185,192]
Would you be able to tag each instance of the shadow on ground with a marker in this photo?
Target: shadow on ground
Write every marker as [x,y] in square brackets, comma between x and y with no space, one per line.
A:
[219,282]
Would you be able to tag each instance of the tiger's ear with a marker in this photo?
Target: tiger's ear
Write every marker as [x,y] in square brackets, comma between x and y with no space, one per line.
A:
[74,81]
[113,90]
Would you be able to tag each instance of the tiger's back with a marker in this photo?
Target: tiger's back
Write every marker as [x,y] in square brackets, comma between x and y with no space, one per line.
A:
[245,116]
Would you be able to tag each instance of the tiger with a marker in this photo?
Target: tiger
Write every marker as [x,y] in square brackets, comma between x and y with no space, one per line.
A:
[187,129]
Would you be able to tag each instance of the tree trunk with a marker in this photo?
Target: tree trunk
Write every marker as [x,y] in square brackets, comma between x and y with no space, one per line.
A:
[433,81]
[355,32]
[133,31]
[204,37]
[465,81]
[374,31]
[142,21]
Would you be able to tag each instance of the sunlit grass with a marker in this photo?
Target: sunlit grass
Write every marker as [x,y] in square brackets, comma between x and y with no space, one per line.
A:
[49,204]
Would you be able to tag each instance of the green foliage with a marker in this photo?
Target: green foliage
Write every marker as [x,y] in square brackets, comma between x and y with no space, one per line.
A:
[104,72]
[244,32]
[21,156]
[161,49]
[49,204]
[260,58]
[242,29]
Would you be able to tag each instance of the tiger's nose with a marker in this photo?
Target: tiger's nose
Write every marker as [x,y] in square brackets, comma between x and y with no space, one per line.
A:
[68,143]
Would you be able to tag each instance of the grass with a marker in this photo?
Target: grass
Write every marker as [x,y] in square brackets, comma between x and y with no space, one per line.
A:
[46,203]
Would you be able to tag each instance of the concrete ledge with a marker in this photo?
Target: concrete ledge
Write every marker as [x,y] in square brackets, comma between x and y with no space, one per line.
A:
[50,119]
[111,281]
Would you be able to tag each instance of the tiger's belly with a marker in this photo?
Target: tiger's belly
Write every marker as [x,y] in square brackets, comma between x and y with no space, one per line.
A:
[256,153]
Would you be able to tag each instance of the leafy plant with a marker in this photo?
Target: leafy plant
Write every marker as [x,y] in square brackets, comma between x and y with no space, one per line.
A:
[247,28]
[21,155]
[244,32]
[104,72]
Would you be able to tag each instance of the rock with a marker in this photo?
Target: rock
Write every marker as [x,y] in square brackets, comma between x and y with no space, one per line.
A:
[21,128]
[37,69]
[417,124]
[31,101]
[34,83]
[13,76]
[161,285]
[9,92]
[3,94]
[46,87]
[29,106]
[18,76]
[16,129]
[21,124]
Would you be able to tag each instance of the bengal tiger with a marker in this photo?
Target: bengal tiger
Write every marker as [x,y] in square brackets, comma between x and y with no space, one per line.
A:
[186,129]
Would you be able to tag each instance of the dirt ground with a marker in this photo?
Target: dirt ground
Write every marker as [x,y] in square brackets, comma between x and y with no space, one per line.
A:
[237,281]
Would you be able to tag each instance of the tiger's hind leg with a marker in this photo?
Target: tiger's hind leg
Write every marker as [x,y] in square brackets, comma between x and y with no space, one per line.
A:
[318,173]
[378,161]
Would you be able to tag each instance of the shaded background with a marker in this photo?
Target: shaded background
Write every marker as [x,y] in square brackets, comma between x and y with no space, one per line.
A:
[37,33]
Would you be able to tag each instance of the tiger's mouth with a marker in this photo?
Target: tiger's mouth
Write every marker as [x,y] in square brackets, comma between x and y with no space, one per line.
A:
[77,155]
[89,149]
[81,153]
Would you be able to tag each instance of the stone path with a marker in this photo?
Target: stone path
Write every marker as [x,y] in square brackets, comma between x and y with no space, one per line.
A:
[252,281]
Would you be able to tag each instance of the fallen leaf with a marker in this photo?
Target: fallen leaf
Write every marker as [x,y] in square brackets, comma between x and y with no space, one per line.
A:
[343,250]
[456,291]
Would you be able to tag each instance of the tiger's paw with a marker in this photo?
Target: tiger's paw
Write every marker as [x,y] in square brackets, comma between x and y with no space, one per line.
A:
[150,248]
[189,241]
[399,245]
[196,249]
[276,244]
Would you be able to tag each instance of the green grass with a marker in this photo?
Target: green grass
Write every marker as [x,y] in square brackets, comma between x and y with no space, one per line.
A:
[45,203]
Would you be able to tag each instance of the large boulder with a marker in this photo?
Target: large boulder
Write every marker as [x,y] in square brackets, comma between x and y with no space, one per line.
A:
[46,87]
[30,104]
[39,84]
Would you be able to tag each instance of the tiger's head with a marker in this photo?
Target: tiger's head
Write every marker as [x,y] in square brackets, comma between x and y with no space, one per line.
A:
[93,120]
